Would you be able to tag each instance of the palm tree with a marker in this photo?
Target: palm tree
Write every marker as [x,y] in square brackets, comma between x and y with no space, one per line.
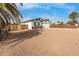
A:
[9,14]
[73,16]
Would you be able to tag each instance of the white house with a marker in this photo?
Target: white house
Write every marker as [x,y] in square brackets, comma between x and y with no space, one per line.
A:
[28,23]
[37,23]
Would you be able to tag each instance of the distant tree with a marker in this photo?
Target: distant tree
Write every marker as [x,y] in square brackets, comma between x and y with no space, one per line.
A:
[58,21]
[61,23]
[71,23]
[73,16]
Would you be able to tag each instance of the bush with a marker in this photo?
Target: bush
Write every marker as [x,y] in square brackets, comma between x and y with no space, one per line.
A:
[61,23]
[71,23]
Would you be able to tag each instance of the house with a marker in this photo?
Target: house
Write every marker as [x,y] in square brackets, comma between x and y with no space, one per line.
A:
[37,23]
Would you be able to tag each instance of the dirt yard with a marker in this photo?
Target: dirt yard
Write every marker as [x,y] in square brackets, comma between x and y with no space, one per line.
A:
[50,42]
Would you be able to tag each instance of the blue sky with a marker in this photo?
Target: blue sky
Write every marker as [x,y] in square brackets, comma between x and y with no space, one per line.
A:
[54,11]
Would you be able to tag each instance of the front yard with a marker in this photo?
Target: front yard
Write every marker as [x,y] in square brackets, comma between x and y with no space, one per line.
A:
[41,42]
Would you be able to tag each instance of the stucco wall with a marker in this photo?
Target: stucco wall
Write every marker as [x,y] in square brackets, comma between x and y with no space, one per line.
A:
[45,26]
[29,25]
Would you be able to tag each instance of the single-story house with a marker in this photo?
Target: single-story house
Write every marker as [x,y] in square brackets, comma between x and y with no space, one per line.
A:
[37,23]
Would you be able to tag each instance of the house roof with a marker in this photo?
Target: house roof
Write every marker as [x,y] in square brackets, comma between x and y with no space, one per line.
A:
[40,19]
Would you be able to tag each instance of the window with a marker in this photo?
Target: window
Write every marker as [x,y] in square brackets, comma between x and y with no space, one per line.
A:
[34,23]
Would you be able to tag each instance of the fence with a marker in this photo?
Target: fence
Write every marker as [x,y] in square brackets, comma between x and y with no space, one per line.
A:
[14,27]
[63,26]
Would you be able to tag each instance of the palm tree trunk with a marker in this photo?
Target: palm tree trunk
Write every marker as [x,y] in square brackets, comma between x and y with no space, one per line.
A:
[4,34]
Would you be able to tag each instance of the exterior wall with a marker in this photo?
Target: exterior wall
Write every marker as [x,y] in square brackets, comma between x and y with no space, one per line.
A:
[46,26]
[29,25]
[24,27]
[36,25]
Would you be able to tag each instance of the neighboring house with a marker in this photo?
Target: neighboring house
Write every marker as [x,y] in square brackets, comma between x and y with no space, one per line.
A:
[37,23]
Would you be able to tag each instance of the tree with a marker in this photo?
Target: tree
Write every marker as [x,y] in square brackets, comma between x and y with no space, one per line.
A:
[62,23]
[9,14]
[73,16]
[58,21]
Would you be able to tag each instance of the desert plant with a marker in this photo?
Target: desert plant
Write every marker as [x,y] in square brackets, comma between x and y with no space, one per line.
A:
[58,21]
[71,23]
[9,14]
[61,23]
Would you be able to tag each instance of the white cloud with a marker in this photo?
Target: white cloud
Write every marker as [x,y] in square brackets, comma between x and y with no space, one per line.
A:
[46,6]
[26,18]
[59,4]
[32,6]
[63,6]
[53,19]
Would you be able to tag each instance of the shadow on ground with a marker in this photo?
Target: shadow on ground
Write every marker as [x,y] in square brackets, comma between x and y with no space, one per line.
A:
[18,37]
